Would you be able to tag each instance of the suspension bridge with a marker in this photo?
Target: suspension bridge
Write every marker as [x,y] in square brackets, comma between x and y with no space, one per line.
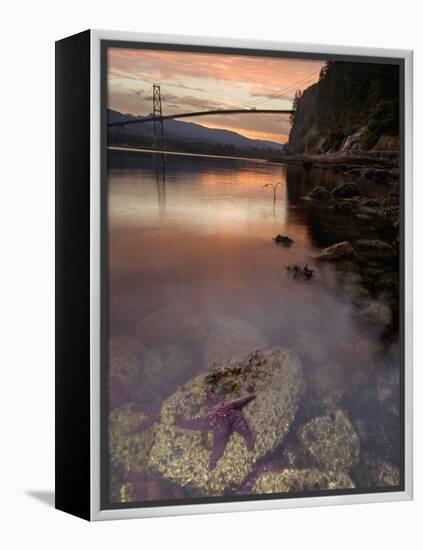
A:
[177,111]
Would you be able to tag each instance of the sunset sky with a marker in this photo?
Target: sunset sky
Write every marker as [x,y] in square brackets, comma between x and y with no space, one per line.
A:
[202,80]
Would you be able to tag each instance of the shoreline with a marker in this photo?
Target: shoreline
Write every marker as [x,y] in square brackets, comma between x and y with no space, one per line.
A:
[389,159]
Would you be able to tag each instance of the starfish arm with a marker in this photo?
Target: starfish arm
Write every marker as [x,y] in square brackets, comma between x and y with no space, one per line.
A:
[201,423]
[220,438]
[212,400]
[240,403]
[240,425]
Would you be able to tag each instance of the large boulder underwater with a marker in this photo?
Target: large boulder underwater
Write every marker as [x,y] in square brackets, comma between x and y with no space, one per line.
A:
[181,456]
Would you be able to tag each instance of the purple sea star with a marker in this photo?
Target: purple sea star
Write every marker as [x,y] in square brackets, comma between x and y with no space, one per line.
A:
[223,418]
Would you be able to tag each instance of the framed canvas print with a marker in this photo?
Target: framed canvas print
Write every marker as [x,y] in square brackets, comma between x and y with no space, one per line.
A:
[233,275]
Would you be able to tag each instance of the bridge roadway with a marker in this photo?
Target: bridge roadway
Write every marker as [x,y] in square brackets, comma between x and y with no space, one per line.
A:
[202,113]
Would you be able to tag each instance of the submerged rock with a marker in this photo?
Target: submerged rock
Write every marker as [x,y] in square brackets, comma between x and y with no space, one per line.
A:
[346,191]
[309,347]
[124,363]
[298,480]
[166,364]
[337,251]
[182,456]
[319,193]
[175,324]
[229,338]
[374,312]
[129,451]
[374,471]
[331,441]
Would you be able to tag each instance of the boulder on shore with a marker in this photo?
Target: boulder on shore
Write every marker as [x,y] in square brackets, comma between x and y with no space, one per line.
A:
[181,456]
[337,251]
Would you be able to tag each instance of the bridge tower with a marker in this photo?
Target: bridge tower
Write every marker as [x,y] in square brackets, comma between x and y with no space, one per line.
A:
[157,118]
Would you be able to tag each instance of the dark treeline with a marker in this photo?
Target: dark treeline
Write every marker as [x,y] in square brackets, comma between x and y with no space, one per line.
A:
[347,97]
[192,147]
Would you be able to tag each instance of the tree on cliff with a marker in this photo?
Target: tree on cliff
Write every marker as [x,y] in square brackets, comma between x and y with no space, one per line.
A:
[348,96]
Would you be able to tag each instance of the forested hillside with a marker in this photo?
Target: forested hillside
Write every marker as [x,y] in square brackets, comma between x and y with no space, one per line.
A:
[352,106]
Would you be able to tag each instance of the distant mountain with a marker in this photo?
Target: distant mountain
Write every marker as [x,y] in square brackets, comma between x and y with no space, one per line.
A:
[186,132]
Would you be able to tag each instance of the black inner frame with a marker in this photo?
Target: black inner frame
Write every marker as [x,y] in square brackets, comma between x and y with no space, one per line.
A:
[105,504]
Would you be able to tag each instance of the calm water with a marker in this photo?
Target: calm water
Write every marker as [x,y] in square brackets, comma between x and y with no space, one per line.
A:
[193,240]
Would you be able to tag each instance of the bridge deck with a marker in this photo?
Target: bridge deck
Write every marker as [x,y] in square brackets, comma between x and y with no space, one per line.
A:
[202,113]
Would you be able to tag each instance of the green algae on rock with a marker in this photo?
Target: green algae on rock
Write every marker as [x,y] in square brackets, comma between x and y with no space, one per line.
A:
[129,452]
[182,456]
[123,359]
[331,441]
[298,480]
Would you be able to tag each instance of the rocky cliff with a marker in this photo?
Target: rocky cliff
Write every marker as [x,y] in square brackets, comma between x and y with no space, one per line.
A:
[353,106]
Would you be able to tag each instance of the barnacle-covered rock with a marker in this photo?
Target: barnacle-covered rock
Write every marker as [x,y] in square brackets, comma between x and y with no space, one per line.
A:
[182,456]
[298,480]
[331,441]
[129,451]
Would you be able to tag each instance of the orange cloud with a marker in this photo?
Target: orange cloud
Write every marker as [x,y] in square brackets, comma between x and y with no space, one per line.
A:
[197,80]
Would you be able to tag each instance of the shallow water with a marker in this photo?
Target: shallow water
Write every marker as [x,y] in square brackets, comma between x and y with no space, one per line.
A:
[191,237]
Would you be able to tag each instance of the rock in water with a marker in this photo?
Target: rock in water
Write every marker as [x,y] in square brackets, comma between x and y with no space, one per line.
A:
[373,245]
[182,456]
[166,364]
[129,451]
[283,239]
[174,324]
[374,471]
[297,480]
[374,313]
[331,441]
[319,193]
[231,338]
[337,251]
[346,191]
